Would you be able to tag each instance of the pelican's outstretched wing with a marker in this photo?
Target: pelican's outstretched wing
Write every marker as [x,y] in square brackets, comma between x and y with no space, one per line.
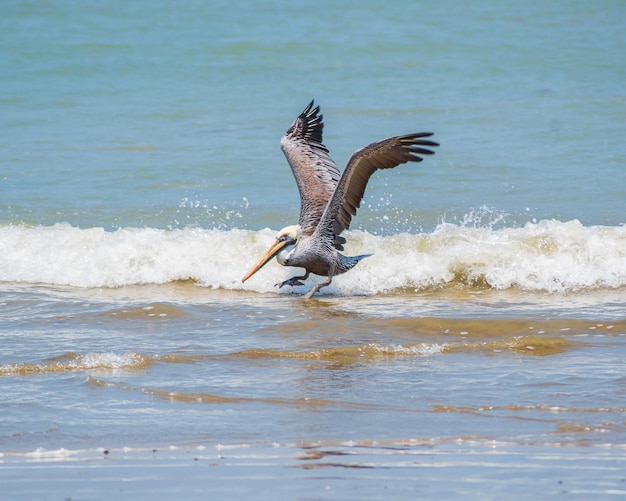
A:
[385,154]
[315,172]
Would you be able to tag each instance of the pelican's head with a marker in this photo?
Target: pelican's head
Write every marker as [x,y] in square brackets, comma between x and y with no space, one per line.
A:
[285,238]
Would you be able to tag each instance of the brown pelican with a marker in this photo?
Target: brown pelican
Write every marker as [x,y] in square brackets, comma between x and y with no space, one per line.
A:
[328,200]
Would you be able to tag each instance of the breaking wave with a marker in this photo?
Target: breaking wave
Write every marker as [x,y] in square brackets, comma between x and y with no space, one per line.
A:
[549,256]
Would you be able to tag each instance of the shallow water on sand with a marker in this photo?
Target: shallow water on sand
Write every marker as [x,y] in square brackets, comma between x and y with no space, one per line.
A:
[491,388]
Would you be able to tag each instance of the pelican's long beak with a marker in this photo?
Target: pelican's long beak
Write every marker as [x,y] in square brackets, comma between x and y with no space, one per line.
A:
[272,251]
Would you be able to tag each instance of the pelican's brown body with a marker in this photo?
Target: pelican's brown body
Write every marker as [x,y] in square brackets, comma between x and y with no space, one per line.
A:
[328,199]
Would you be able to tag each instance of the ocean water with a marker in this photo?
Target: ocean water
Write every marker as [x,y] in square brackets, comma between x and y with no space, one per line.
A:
[478,352]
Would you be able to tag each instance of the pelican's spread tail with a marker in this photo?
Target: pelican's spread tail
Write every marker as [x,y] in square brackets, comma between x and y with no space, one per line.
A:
[350,262]
[362,256]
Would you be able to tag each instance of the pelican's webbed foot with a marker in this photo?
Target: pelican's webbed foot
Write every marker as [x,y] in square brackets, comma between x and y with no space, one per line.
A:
[293,281]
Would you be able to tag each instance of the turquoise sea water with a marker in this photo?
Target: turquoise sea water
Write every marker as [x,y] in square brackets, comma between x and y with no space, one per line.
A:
[152,115]
[141,176]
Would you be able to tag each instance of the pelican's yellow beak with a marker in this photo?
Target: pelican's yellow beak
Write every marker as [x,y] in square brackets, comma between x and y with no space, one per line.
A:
[272,251]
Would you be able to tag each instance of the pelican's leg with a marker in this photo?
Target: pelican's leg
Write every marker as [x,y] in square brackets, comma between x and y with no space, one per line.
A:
[293,281]
[315,289]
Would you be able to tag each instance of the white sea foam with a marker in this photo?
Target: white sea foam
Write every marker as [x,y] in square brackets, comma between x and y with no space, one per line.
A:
[423,349]
[548,256]
[108,360]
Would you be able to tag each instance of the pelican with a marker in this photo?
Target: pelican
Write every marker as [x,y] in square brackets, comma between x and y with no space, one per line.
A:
[328,200]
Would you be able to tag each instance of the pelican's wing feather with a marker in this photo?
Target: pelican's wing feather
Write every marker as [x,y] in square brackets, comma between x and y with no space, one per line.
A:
[315,172]
[385,154]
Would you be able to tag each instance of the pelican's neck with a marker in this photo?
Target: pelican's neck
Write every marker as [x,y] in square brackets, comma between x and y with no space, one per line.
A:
[285,254]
